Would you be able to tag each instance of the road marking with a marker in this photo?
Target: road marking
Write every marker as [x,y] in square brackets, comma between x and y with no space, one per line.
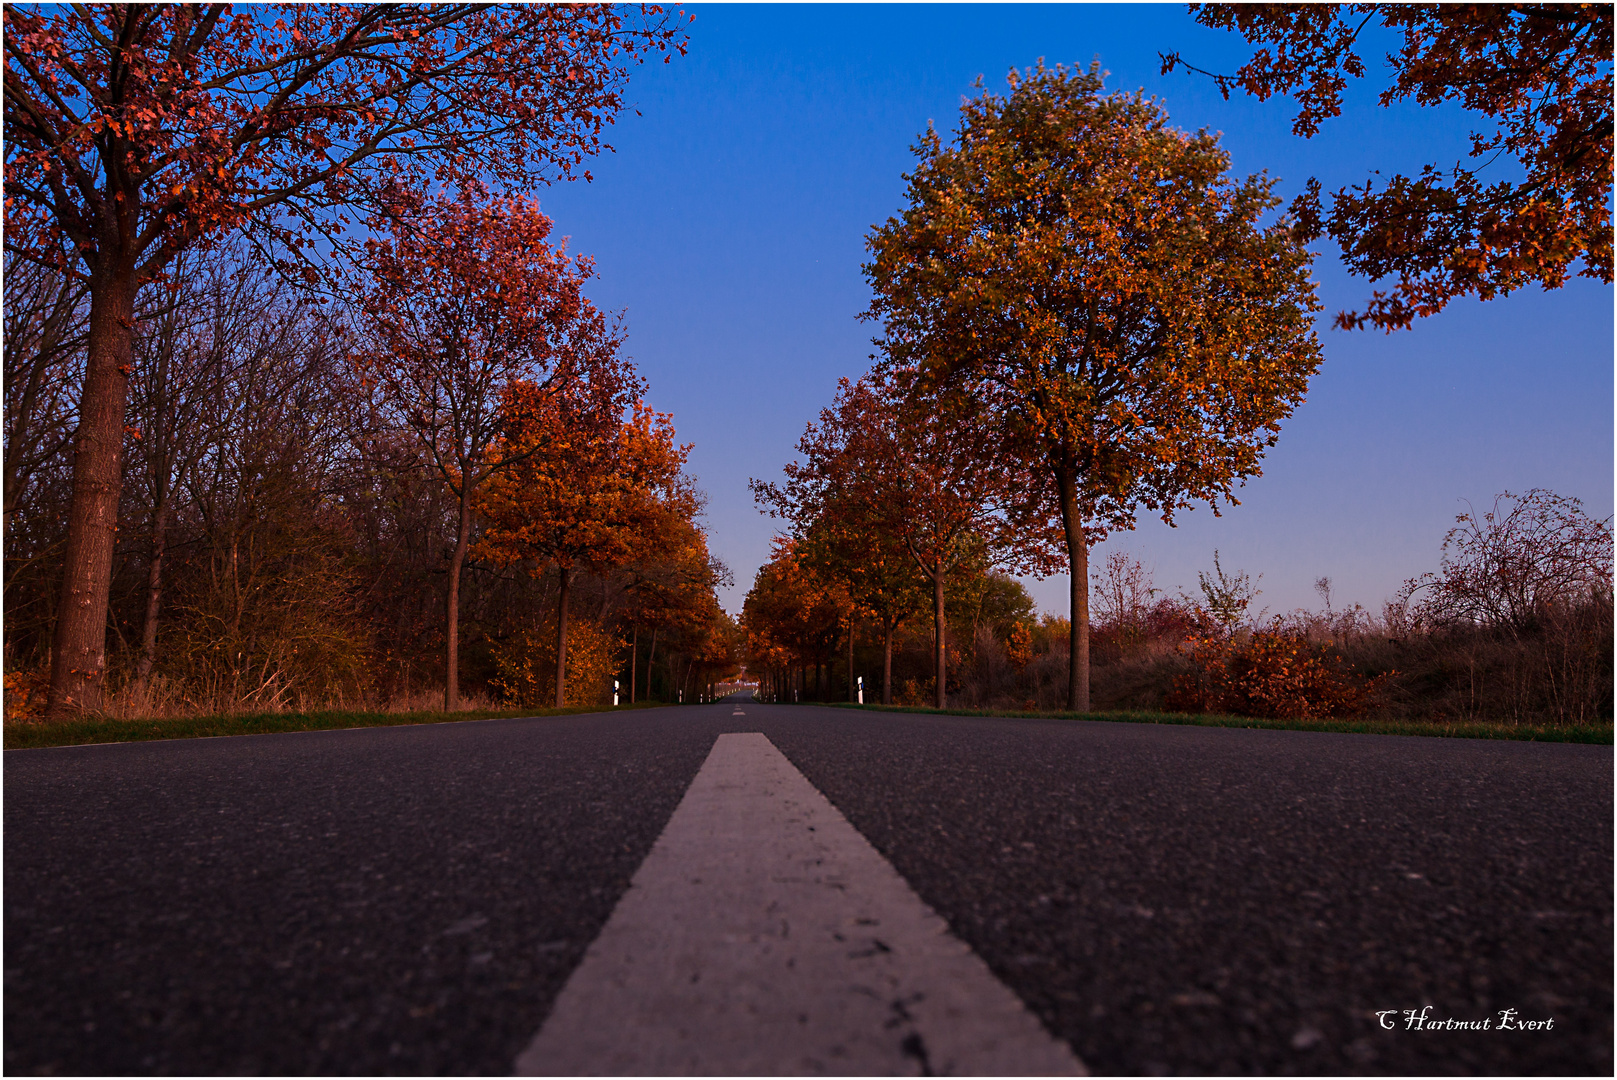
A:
[764,936]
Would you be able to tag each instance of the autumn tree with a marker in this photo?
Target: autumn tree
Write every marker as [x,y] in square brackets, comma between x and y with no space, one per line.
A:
[586,490]
[136,131]
[1539,79]
[787,617]
[843,523]
[891,467]
[668,589]
[461,308]
[1108,292]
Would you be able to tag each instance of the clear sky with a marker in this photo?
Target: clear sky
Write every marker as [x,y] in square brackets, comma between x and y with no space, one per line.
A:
[729,229]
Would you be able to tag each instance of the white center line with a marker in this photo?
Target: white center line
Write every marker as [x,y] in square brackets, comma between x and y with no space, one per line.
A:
[764,936]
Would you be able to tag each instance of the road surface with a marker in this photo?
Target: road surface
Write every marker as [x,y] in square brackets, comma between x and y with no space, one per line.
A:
[1162,899]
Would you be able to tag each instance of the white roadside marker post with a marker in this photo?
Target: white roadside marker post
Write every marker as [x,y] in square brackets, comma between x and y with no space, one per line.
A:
[614,693]
[861,689]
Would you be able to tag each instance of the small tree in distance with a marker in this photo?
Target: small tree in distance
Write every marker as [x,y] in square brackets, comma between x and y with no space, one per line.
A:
[1102,284]
[585,491]
[913,471]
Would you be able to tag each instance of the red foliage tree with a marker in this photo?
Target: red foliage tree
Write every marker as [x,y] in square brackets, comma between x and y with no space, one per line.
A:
[135,131]
[890,468]
[1540,75]
[463,307]
[585,491]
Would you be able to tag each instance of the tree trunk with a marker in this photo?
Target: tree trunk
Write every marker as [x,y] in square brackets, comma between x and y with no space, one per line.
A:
[79,645]
[938,619]
[851,695]
[887,666]
[452,629]
[651,658]
[1078,563]
[634,662]
[154,598]
[561,639]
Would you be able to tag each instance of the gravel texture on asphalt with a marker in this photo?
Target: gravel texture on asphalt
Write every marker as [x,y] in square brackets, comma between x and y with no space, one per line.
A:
[389,900]
[1178,900]
[1166,899]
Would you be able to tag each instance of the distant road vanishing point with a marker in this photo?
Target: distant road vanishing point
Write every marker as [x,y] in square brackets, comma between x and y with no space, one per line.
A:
[740,888]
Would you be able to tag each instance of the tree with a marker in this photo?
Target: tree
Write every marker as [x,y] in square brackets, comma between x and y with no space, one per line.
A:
[134,132]
[586,491]
[1540,75]
[1515,564]
[787,616]
[669,589]
[462,308]
[222,321]
[887,469]
[1104,288]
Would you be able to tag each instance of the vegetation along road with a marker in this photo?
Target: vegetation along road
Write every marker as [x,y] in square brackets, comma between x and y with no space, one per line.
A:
[1162,899]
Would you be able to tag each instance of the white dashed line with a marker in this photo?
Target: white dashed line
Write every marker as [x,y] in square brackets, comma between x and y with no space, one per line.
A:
[763,935]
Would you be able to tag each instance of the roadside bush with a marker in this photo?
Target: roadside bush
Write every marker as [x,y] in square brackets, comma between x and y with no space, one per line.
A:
[25,694]
[1274,673]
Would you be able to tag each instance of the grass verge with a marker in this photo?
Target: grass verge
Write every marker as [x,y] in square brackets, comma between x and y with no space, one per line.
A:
[1599,734]
[94,729]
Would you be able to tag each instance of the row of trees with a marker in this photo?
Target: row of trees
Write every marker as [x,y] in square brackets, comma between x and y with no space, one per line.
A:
[137,133]
[1515,626]
[274,277]
[1084,316]
[287,536]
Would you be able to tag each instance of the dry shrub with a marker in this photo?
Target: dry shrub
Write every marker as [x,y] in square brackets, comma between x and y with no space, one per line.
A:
[1273,673]
[26,692]
[288,636]
[526,665]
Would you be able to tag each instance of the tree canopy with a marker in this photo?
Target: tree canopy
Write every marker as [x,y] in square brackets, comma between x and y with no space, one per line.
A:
[1540,77]
[1099,281]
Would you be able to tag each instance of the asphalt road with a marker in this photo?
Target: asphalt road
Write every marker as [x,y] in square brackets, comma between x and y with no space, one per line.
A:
[1166,899]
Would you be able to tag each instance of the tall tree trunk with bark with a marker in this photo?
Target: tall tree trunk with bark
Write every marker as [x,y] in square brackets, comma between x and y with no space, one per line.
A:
[1078,562]
[79,645]
[463,537]
[561,638]
[651,658]
[634,662]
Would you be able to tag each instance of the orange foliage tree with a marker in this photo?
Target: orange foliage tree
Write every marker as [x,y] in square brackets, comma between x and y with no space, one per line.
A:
[789,617]
[1541,76]
[464,308]
[890,484]
[136,131]
[1105,288]
[584,490]
[670,592]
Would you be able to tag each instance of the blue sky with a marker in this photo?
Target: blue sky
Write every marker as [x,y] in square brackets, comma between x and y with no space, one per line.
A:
[729,229]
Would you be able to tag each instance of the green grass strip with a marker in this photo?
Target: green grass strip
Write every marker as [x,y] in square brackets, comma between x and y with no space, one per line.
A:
[93,729]
[1597,733]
